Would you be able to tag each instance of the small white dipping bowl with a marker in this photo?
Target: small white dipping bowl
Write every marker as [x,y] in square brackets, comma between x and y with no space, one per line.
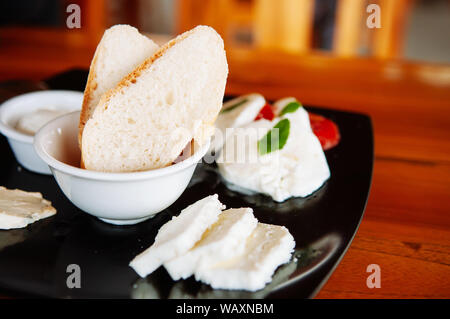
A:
[13,109]
[115,198]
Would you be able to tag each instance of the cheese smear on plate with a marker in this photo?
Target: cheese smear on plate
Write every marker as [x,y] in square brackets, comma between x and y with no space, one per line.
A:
[19,208]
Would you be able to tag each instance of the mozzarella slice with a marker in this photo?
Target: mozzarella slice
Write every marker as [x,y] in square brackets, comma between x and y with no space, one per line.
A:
[179,234]
[224,239]
[19,208]
[268,247]
[235,113]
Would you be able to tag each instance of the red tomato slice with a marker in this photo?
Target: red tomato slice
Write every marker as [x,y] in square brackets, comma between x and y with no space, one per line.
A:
[326,131]
[265,113]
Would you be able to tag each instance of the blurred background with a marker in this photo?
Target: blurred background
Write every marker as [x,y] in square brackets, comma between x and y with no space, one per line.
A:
[411,29]
[334,53]
[36,42]
[416,30]
[324,52]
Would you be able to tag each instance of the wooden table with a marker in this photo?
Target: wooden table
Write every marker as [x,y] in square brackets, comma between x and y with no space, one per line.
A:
[406,226]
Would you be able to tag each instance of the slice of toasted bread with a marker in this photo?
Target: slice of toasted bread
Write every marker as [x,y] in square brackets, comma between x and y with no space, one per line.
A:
[121,49]
[170,99]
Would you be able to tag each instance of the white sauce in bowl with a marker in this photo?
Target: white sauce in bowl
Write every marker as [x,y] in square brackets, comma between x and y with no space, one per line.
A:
[30,123]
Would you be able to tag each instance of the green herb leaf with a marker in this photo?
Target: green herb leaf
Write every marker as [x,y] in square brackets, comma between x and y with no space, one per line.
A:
[275,139]
[232,107]
[290,108]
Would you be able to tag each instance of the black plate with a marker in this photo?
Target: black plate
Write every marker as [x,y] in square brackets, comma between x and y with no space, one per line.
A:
[34,261]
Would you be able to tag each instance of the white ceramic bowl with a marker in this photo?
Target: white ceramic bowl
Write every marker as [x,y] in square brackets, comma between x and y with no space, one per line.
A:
[116,198]
[13,109]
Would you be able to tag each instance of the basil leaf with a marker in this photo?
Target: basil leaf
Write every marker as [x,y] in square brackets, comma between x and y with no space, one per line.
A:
[232,107]
[276,138]
[290,108]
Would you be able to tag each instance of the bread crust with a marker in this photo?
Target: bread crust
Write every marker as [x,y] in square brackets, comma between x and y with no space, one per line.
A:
[91,86]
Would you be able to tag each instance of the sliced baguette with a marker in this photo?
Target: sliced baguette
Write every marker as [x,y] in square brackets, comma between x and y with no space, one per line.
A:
[121,49]
[170,99]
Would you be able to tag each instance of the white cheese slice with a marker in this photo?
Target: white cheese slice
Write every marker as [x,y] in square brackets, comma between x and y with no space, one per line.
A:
[268,247]
[19,208]
[223,239]
[179,234]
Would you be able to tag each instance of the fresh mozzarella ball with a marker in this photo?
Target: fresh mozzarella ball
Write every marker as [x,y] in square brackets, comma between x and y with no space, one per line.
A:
[298,169]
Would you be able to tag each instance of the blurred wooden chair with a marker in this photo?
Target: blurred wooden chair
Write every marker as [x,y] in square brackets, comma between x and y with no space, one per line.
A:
[384,42]
[287,25]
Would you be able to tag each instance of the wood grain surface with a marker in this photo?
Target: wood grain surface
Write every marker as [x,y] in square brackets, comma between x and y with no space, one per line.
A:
[406,226]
